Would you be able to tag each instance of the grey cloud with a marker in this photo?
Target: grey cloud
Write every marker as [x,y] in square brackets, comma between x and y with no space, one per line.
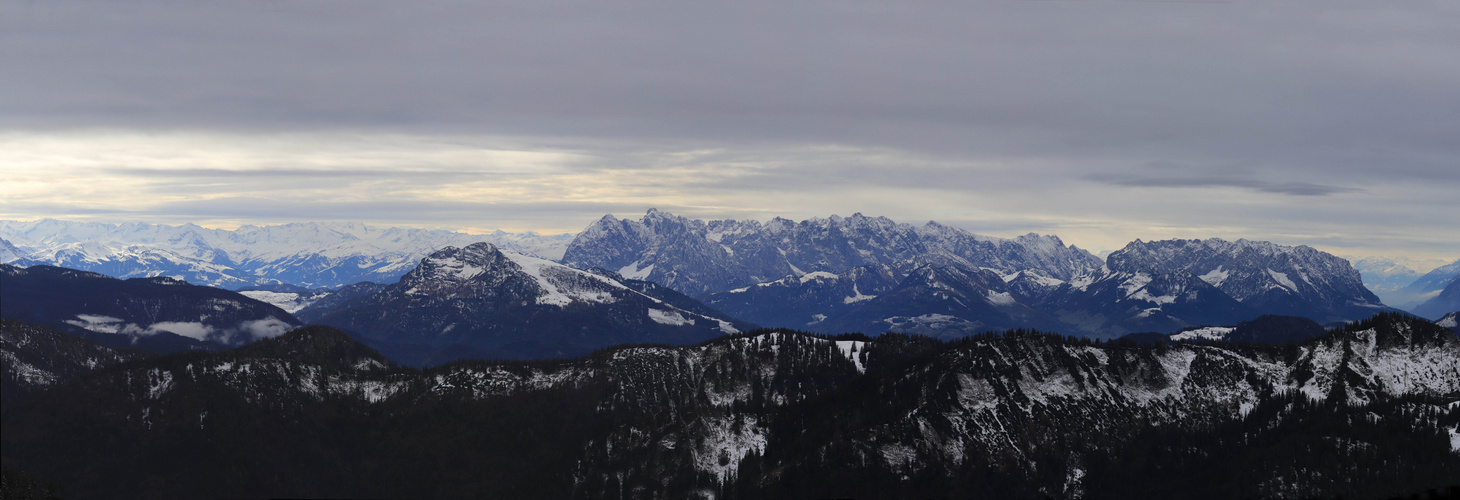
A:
[998,78]
[1290,188]
[290,175]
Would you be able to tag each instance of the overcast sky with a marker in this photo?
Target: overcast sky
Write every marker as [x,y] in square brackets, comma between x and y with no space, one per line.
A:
[1329,123]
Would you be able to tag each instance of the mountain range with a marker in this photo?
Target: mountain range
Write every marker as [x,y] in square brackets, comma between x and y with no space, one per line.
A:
[1160,286]
[304,254]
[829,275]
[697,257]
[769,414]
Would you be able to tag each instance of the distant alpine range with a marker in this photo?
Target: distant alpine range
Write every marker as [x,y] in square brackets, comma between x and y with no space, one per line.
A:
[669,357]
[308,255]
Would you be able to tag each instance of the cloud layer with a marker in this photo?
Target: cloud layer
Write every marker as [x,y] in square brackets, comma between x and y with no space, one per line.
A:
[1325,123]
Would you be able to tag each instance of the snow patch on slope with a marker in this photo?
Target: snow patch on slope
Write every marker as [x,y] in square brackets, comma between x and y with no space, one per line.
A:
[1215,277]
[290,302]
[851,349]
[1282,279]
[633,272]
[1001,298]
[724,446]
[857,296]
[1207,333]
[551,278]
[669,318]
[817,275]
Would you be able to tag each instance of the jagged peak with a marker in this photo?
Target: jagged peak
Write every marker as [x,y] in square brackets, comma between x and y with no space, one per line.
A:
[458,264]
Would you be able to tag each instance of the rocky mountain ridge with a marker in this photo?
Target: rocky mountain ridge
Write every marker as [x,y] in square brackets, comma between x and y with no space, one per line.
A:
[699,257]
[1159,286]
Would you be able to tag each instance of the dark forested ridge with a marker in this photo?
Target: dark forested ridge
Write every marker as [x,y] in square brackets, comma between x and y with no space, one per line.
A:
[159,314]
[1370,411]
[36,358]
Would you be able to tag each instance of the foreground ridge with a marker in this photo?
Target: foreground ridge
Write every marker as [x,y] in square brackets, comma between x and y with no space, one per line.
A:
[771,413]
